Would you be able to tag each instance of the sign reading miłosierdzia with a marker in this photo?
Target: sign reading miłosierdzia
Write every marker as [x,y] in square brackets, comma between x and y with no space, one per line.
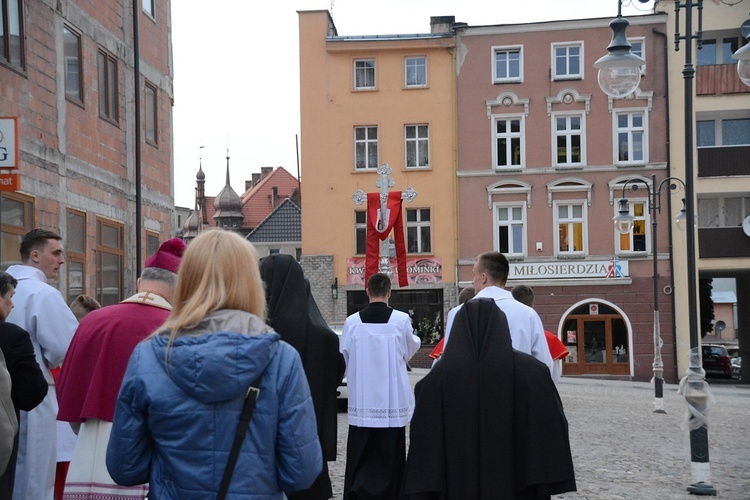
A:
[8,142]
[614,268]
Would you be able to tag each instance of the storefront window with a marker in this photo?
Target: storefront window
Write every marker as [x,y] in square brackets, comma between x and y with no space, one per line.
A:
[598,340]
[425,307]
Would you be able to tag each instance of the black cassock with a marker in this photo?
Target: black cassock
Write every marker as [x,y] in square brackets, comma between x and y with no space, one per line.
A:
[293,314]
[488,422]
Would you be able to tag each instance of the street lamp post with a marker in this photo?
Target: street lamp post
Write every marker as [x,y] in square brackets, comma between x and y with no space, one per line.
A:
[693,386]
[624,224]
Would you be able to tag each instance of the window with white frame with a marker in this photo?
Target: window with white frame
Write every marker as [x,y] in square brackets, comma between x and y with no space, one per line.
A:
[510,228]
[365,147]
[631,137]
[508,141]
[569,139]
[638,48]
[570,220]
[723,211]
[364,74]
[148,7]
[567,59]
[415,71]
[417,139]
[418,230]
[636,240]
[360,232]
[508,65]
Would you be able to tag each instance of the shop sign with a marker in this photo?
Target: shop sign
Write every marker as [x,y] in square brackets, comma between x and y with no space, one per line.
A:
[8,142]
[420,270]
[10,182]
[605,269]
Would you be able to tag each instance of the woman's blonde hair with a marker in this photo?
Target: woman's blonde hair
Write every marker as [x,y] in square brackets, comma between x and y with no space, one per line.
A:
[219,270]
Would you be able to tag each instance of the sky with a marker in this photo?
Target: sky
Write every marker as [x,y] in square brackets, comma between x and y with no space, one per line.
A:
[236,71]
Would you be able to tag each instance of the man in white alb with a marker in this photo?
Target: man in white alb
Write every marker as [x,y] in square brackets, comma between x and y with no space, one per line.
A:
[490,272]
[377,342]
[41,311]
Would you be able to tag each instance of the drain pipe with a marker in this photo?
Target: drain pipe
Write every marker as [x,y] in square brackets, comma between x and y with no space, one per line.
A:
[137,160]
[669,205]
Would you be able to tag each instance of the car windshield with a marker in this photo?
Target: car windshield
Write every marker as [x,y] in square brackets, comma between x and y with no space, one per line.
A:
[714,351]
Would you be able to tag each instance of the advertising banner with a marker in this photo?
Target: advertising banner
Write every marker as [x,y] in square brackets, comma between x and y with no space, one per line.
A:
[419,270]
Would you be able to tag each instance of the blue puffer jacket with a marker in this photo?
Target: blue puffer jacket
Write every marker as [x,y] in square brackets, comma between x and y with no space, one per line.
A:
[174,423]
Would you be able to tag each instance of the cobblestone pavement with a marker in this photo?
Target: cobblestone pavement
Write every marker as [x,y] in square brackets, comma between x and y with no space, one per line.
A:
[622,450]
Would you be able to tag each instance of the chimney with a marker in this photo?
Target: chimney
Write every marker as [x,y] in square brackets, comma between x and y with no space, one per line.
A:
[274,196]
[256,179]
[248,185]
[264,171]
[441,24]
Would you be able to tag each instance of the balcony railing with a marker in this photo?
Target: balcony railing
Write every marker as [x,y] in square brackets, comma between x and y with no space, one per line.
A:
[719,79]
[722,161]
[722,242]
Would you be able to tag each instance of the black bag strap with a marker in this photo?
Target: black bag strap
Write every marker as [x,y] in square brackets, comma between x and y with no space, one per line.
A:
[247,413]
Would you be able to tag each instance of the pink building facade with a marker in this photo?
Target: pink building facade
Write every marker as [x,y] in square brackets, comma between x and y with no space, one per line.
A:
[543,157]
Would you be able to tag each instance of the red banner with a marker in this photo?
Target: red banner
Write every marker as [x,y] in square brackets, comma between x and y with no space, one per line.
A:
[377,234]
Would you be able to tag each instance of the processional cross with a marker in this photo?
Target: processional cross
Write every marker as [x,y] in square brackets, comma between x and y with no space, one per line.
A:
[384,182]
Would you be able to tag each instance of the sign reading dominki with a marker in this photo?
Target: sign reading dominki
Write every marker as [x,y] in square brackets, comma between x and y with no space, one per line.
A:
[9,142]
[419,270]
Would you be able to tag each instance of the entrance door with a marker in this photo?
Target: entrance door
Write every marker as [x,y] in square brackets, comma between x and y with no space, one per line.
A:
[598,343]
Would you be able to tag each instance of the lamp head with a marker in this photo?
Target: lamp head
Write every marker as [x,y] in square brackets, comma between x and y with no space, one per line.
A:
[681,218]
[623,220]
[620,70]
[335,289]
[743,63]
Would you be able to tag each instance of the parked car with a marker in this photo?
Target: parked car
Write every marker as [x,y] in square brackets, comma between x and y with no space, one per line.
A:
[737,366]
[343,394]
[716,360]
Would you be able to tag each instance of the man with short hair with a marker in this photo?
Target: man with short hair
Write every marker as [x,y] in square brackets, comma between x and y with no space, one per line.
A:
[377,342]
[490,273]
[41,311]
[94,367]
[525,295]
[29,387]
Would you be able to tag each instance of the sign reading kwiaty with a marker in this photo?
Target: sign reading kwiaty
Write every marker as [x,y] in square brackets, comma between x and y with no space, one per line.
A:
[419,270]
[613,268]
[8,142]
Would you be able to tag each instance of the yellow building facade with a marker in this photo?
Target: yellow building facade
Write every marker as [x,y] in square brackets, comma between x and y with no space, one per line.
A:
[366,101]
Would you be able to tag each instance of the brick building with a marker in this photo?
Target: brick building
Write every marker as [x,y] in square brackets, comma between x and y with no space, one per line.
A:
[67,78]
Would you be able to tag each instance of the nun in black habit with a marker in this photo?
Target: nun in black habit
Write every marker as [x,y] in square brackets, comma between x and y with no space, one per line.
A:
[488,422]
[293,314]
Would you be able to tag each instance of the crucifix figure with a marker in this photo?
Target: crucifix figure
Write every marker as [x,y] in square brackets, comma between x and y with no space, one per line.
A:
[381,219]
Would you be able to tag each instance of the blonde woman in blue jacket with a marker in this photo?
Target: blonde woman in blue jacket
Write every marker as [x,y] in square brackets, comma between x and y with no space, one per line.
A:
[180,401]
